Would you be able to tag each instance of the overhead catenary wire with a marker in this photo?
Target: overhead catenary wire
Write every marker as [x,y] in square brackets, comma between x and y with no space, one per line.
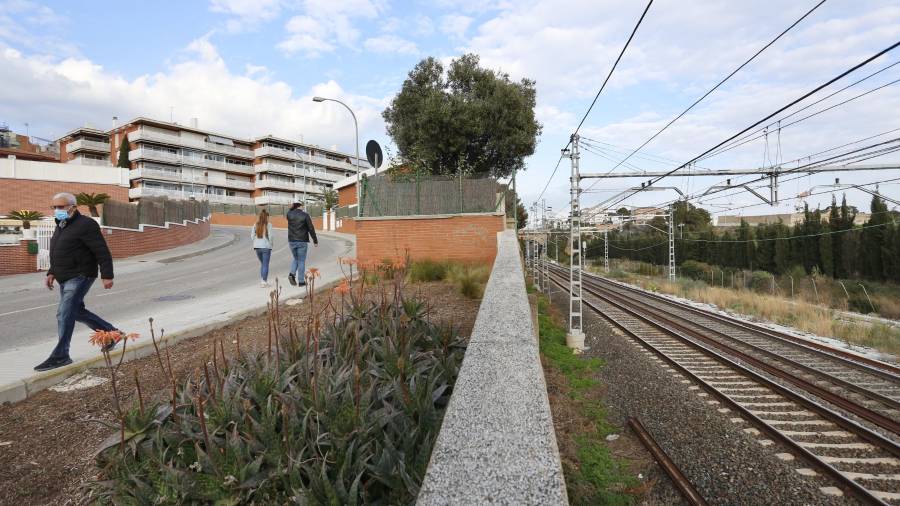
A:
[597,96]
[720,83]
[769,116]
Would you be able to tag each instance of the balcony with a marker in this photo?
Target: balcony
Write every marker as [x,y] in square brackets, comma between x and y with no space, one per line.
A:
[86,145]
[90,161]
[152,154]
[275,167]
[234,183]
[147,135]
[136,193]
[276,152]
[276,184]
[273,199]
[166,175]
[328,162]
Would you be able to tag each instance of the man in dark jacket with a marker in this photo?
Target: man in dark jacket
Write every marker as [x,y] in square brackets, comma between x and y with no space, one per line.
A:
[76,249]
[300,228]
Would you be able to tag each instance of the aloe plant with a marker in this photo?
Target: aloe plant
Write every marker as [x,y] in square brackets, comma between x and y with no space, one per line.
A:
[26,216]
[346,415]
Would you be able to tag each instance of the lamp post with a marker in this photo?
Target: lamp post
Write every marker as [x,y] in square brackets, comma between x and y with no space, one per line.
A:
[356,127]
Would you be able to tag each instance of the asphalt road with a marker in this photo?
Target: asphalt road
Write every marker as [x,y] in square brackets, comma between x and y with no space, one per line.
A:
[177,294]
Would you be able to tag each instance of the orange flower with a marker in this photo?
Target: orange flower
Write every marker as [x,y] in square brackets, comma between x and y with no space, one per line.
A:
[312,273]
[343,288]
[103,337]
[348,261]
[398,264]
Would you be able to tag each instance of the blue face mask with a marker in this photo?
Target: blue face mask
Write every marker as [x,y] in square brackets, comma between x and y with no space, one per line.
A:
[61,214]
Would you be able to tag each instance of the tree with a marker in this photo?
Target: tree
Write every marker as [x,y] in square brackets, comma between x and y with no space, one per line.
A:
[521,214]
[331,199]
[123,160]
[470,119]
[873,241]
[25,216]
[92,200]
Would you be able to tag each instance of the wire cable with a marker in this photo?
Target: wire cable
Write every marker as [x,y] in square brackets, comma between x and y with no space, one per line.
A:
[714,88]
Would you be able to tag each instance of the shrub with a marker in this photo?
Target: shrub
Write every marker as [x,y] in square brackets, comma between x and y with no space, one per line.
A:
[694,269]
[422,271]
[348,415]
[471,279]
[761,281]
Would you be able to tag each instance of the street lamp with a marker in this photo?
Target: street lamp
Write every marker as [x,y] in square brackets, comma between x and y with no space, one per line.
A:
[356,127]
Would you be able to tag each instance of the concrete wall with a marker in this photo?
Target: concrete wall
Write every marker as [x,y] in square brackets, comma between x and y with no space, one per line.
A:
[497,444]
[465,238]
[30,185]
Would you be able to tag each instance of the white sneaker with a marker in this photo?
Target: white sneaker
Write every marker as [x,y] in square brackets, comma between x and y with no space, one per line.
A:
[263,284]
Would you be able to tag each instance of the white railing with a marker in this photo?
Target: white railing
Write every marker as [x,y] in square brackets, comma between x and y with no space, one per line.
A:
[275,167]
[243,169]
[273,151]
[157,174]
[90,161]
[234,183]
[84,144]
[136,193]
[321,160]
[147,135]
[150,154]
[275,184]
[273,199]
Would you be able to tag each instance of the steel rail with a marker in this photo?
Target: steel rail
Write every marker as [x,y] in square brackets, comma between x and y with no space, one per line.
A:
[690,494]
[839,420]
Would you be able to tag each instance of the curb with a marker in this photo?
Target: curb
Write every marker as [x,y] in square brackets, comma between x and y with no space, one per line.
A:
[234,239]
[20,390]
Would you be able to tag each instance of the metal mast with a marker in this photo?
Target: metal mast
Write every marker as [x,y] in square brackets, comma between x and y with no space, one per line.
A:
[606,250]
[575,339]
[672,242]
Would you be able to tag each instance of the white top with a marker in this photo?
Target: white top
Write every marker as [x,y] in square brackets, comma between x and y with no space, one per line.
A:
[266,242]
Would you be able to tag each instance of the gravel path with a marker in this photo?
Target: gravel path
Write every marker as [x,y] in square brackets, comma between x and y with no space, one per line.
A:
[727,464]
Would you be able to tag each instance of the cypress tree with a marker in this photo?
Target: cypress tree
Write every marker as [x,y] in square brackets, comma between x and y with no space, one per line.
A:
[123,160]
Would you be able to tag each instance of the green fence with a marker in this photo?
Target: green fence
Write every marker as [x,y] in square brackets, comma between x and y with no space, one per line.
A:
[252,209]
[152,211]
[430,196]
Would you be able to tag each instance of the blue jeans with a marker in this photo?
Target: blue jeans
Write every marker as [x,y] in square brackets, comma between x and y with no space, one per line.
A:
[298,265]
[71,309]
[264,255]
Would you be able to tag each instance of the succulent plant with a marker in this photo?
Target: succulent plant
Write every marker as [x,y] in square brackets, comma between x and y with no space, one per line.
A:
[345,416]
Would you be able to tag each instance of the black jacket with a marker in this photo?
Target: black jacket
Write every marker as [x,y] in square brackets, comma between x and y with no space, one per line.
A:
[300,226]
[77,248]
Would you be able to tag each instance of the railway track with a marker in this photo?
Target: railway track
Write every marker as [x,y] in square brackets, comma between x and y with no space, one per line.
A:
[839,414]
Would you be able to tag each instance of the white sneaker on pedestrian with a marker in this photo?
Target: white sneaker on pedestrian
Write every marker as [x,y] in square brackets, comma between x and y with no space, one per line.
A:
[263,284]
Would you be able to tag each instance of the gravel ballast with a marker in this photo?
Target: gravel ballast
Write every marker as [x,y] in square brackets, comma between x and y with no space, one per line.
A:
[727,464]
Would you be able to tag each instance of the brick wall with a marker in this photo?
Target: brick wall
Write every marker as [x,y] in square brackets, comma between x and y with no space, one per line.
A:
[14,259]
[465,238]
[127,243]
[347,195]
[122,243]
[36,195]
[247,220]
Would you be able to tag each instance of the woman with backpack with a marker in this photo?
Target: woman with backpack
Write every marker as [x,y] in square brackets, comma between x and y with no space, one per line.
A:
[261,235]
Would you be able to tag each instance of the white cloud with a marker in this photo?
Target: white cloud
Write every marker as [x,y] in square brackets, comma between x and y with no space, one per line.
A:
[390,44]
[455,25]
[325,25]
[246,14]
[61,94]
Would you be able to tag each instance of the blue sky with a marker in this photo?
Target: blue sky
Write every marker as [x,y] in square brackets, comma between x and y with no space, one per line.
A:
[250,67]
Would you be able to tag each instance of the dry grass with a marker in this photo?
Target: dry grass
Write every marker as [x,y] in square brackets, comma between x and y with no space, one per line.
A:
[800,315]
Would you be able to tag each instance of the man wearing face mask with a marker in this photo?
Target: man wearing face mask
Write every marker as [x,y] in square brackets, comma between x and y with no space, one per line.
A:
[77,248]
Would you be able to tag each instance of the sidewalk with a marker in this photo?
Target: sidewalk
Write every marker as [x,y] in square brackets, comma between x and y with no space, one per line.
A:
[180,319]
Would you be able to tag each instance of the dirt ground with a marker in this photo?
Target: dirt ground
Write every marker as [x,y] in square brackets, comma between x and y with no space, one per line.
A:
[47,442]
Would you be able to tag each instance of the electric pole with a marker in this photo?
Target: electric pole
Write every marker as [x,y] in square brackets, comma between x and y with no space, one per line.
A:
[672,242]
[575,339]
[606,250]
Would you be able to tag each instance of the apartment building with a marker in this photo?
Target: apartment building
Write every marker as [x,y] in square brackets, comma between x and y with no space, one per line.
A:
[181,162]
[286,170]
[85,146]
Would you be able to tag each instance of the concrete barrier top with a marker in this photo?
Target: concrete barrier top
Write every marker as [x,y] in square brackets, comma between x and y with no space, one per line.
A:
[497,443]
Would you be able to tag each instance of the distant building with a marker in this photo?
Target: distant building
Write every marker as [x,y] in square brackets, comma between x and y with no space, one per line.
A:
[181,162]
[789,219]
[22,147]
